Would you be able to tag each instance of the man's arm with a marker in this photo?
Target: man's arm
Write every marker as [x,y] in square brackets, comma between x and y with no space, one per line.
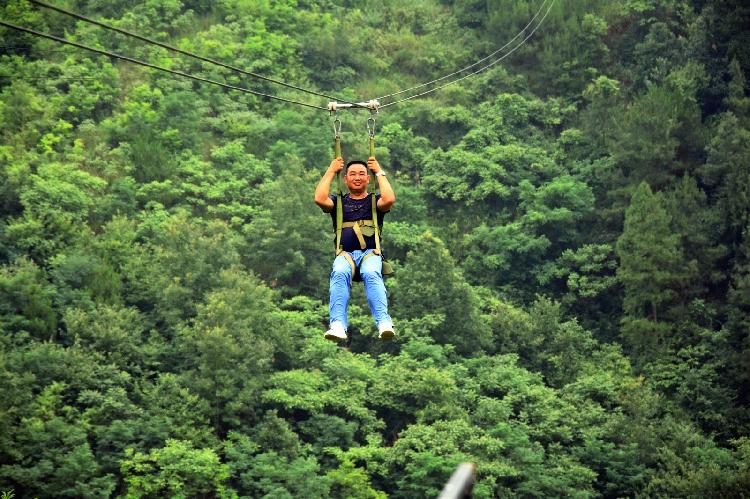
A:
[387,196]
[324,186]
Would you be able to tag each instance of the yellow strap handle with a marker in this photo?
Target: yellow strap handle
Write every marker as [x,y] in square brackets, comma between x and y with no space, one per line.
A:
[339,207]
[374,200]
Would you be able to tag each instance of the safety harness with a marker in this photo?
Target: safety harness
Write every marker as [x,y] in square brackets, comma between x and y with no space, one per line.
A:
[362,228]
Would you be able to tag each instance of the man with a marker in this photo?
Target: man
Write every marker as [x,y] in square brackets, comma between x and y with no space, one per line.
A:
[357,205]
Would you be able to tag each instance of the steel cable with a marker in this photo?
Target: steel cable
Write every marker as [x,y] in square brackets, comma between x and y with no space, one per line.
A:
[480,69]
[541,7]
[180,51]
[153,66]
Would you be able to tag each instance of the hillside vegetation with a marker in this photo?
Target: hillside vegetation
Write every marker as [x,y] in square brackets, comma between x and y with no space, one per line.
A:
[571,241]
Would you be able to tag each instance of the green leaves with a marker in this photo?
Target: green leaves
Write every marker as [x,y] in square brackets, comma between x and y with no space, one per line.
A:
[650,255]
[547,225]
[26,298]
[289,241]
[52,453]
[728,181]
[163,269]
[431,283]
[650,132]
[463,176]
[177,470]
[229,347]
[258,470]
[588,270]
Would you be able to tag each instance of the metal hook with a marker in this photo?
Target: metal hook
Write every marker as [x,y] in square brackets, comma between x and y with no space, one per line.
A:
[336,126]
[371,123]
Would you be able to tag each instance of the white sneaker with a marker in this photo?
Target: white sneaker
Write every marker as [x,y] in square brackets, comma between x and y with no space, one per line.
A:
[336,333]
[386,331]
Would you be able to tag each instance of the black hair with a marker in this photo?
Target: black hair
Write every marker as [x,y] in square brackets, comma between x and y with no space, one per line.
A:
[354,162]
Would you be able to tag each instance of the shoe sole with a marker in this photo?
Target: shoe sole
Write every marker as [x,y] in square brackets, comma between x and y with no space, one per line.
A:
[387,335]
[333,337]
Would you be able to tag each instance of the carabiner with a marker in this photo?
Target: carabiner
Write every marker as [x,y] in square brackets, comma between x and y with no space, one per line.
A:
[371,124]
[336,126]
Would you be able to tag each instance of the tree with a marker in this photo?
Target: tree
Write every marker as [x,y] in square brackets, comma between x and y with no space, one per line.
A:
[348,481]
[691,373]
[58,202]
[178,470]
[602,94]
[259,470]
[738,325]
[700,228]
[591,284]
[26,307]
[288,240]
[577,46]
[650,132]
[115,333]
[82,279]
[229,347]
[430,283]
[406,151]
[162,268]
[177,261]
[726,175]
[513,256]
[53,457]
[651,267]
[737,102]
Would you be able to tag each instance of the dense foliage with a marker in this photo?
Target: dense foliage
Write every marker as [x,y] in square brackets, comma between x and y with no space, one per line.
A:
[571,238]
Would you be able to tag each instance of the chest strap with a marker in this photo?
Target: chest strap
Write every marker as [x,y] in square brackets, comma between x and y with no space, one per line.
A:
[361,229]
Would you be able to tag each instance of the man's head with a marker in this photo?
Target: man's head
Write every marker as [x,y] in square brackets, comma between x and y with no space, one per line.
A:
[356,176]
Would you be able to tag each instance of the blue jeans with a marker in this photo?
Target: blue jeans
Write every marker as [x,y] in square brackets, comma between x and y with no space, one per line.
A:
[340,287]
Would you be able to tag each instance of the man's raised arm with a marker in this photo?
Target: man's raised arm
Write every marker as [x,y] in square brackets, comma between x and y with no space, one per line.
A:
[387,196]
[324,186]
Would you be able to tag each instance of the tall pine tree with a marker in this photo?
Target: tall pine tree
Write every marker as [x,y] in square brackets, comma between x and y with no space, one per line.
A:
[727,175]
[650,268]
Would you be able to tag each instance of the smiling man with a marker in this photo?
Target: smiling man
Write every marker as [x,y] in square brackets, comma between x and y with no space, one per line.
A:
[357,251]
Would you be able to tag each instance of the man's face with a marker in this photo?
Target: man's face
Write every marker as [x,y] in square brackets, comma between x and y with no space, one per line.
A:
[357,178]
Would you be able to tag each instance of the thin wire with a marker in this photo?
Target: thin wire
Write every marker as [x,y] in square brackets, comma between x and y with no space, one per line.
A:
[9,50]
[153,66]
[24,47]
[541,7]
[50,78]
[480,69]
[180,51]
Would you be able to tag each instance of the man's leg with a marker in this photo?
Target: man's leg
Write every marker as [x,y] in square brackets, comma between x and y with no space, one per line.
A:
[340,289]
[377,298]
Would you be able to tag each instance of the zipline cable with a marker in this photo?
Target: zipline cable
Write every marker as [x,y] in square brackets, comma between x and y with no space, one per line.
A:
[541,7]
[480,69]
[153,66]
[51,78]
[180,51]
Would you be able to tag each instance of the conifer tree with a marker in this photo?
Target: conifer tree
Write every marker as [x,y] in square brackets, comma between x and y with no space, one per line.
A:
[738,325]
[727,175]
[650,268]
[699,228]
[737,102]
[430,283]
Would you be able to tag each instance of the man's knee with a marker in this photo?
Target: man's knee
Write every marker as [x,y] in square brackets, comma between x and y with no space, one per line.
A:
[341,268]
[371,267]
[369,274]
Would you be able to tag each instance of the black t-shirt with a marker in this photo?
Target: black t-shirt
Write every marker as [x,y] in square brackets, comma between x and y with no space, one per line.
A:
[355,209]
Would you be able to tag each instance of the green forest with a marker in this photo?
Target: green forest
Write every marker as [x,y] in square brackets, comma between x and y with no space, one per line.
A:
[571,244]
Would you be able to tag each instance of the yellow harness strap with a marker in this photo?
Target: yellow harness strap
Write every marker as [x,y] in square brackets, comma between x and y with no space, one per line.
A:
[357,227]
[350,260]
